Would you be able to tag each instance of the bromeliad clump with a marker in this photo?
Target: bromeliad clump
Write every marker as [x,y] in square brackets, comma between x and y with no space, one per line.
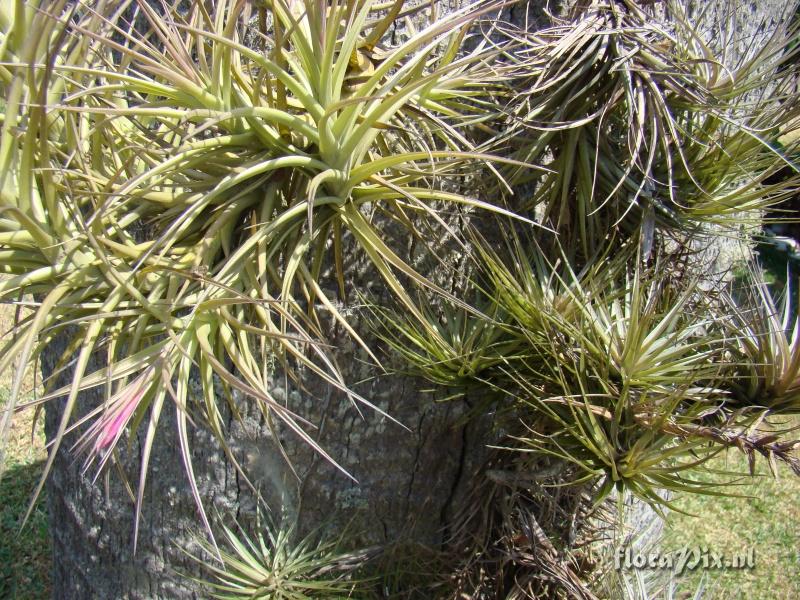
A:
[173,195]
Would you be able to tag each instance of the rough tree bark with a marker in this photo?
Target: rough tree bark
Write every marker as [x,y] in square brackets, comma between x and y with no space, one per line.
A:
[408,483]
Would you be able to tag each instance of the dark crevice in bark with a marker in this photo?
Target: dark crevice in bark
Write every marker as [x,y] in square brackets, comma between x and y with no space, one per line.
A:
[459,474]
[238,494]
[413,476]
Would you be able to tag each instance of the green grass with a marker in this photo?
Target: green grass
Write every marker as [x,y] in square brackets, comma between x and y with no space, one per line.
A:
[25,561]
[24,553]
[768,520]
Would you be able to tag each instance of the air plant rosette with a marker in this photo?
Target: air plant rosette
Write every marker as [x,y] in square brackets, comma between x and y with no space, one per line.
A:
[644,126]
[173,196]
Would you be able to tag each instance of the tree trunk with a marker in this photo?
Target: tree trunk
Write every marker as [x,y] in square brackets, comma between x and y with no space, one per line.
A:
[408,483]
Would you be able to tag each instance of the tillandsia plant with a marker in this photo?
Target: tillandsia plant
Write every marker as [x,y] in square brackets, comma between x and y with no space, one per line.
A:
[642,123]
[764,344]
[607,366]
[174,196]
[454,351]
[619,385]
[278,566]
[627,363]
[649,135]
